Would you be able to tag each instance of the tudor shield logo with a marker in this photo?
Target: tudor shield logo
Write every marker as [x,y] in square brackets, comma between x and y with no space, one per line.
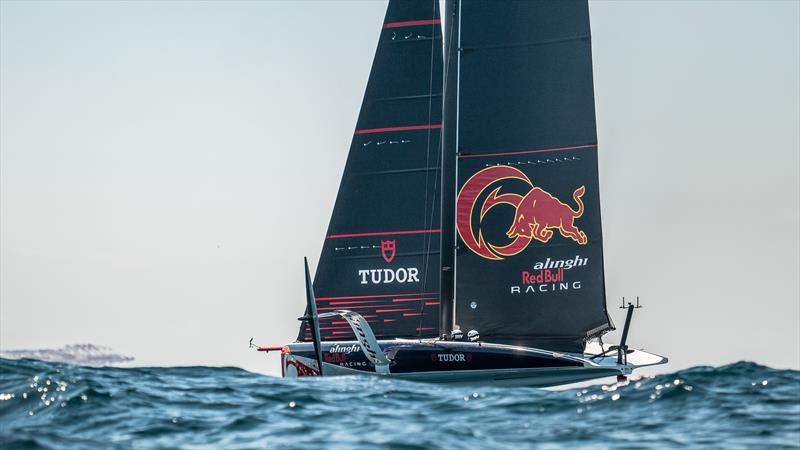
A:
[387,276]
[539,215]
[388,250]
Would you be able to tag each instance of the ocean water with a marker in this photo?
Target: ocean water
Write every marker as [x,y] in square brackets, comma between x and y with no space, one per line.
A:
[64,406]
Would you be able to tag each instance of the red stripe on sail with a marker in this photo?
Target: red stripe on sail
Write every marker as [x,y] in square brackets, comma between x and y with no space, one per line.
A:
[357,308]
[382,233]
[412,23]
[374,296]
[412,299]
[357,302]
[525,152]
[406,128]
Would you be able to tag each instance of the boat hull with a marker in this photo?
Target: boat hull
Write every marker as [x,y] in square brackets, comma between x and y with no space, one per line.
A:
[459,363]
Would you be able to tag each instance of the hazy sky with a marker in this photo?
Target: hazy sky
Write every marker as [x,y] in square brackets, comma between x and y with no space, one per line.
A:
[164,167]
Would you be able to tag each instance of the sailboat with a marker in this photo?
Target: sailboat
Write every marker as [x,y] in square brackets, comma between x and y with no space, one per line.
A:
[465,245]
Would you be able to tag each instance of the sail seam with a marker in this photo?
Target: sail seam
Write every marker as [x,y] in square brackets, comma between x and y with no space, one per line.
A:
[405,128]
[386,172]
[406,97]
[382,233]
[525,152]
[418,39]
[585,37]
[353,257]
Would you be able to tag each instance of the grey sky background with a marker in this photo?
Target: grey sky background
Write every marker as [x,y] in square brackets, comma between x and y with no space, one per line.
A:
[164,167]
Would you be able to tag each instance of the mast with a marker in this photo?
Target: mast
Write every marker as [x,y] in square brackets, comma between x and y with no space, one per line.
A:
[448,167]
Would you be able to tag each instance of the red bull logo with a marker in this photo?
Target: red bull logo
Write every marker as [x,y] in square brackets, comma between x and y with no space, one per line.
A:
[539,215]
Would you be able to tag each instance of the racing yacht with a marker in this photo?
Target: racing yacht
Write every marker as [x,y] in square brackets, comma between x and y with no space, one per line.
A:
[465,244]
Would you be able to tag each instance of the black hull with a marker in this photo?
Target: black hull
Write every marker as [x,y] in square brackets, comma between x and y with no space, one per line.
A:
[450,362]
[435,356]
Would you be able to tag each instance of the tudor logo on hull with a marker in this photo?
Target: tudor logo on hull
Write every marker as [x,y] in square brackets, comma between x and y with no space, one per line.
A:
[451,357]
[539,215]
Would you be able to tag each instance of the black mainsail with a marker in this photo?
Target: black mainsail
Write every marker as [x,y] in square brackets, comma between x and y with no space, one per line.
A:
[381,253]
[520,128]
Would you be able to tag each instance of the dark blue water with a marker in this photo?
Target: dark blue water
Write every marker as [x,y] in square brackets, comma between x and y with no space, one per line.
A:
[50,405]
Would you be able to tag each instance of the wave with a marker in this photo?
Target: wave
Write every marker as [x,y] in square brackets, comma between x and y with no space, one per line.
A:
[81,354]
[55,405]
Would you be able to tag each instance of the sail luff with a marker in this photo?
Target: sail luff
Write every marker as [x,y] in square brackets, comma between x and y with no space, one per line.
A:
[448,168]
[608,324]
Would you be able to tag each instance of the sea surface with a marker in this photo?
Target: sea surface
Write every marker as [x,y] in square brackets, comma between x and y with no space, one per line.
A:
[65,406]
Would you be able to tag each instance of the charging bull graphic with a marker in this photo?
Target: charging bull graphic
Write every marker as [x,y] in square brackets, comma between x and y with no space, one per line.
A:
[538,213]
